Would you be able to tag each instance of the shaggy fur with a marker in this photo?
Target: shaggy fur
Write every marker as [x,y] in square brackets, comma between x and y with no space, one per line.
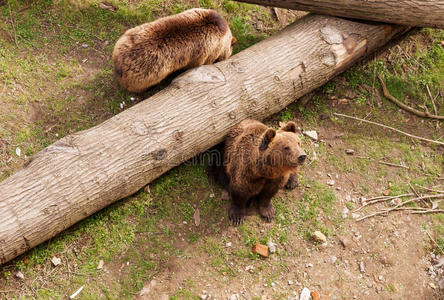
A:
[148,53]
[258,161]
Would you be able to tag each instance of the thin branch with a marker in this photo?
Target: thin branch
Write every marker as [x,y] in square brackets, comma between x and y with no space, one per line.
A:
[429,189]
[12,23]
[433,240]
[391,128]
[428,211]
[404,106]
[431,98]
[393,165]
[399,205]
[381,199]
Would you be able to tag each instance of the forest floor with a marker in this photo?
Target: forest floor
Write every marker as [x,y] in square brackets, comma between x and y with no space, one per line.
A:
[56,78]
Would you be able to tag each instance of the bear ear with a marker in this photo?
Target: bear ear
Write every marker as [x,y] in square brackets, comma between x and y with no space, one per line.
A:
[290,127]
[233,40]
[267,138]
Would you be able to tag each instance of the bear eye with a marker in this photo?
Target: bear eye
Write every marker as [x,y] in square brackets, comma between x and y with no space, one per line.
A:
[286,148]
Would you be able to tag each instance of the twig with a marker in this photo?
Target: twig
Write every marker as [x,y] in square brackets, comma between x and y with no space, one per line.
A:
[12,23]
[276,14]
[7,291]
[428,211]
[425,114]
[433,240]
[431,98]
[429,189]
[393,165]
[391,128]
[363,157]
[399,205]
[381,199]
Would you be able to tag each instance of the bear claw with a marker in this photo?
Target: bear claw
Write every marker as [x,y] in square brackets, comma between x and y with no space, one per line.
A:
[267,212]
[292,182]
[236,215]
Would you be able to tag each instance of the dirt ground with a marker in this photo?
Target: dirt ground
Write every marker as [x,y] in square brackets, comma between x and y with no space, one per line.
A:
[56,78]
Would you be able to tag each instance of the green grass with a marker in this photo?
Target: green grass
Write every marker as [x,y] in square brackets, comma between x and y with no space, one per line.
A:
[50,91]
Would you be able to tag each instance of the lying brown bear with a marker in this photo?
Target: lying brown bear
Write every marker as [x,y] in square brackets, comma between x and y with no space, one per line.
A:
[148,53]
[258,161]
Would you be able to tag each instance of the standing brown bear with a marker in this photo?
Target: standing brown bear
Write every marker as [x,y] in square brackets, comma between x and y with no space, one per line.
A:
[258,161]
[148,53]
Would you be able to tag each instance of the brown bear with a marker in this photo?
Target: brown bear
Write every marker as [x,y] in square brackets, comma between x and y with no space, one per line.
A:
[145,55]
[258,161]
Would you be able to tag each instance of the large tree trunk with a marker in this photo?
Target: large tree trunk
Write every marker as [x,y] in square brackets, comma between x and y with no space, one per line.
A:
[420,13]
[84,172]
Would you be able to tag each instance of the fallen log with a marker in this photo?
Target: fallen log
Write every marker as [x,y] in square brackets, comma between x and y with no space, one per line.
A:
[86,171]
[419,13]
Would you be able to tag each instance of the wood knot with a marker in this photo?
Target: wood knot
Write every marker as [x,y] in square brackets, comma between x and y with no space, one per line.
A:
[276,78]
[161,154]
[178,135]
[232,115]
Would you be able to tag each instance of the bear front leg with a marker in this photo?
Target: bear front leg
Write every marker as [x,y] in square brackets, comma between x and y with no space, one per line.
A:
[270,189]
[237,210]
[292,182]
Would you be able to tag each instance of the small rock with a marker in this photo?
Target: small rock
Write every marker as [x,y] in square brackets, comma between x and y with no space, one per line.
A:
[133,98]
[355,216]
[85,46]
[315,295]
[344,241]
[290,282]
[100,265]
[362,267]
[319,236]
[333,259]
[203,297]
[121,105]
[395,201]
[249,269]
[273,284]
[271,246]
[345,212]
[56,261]
[309,265]
[229,244]
[311,134]
[331,182]
[432,285]
[305,294]
[20,275]
[349,151]
[234,297]
[260,249]
[18,151]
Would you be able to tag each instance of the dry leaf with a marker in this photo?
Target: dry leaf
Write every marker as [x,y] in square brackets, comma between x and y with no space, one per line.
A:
[107,6]
[196,216]
[100,266]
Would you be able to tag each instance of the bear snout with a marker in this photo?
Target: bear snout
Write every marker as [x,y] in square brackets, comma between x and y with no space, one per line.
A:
[301,158]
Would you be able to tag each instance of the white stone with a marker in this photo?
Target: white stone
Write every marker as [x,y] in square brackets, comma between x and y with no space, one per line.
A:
[311,134]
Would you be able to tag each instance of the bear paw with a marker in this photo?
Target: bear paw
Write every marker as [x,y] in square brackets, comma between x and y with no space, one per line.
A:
[292,182]
[236,215]
[267,212]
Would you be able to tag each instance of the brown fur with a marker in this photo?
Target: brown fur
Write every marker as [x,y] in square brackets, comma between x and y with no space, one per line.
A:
[258,161]
[148,53]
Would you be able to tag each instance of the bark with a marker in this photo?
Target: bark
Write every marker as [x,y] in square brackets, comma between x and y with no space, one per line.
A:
[84,172]
[420,13]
